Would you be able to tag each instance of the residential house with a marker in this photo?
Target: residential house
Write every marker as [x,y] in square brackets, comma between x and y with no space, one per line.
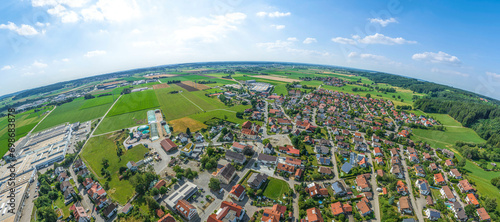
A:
[315,190]
[401,188]
[110,210]
[256,180]
[471,199]
[281,167]
[226,174]
[235,157]
[186,209]
[267,159]
[439,179]
[455,174]
[364,207]
[483,215]
[131,165]
[228,212]
[423,186]
[80,215]
[404,205]
[446,193]
[237,192]
[313,215]
[432,214]
[465,186]
[338,189]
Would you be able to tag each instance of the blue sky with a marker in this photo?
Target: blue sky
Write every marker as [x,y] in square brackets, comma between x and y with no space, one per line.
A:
[449,42]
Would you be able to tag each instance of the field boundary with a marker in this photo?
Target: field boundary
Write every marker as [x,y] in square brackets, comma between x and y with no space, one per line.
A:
[192,102]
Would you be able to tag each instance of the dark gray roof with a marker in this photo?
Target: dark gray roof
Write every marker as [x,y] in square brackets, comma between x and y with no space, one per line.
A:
[338,188]
[256,179]
[346,167]
[265,157]
[227,171]
[234,156]
[435,213]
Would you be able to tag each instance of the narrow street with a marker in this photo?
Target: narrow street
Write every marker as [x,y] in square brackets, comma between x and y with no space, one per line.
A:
[416,209]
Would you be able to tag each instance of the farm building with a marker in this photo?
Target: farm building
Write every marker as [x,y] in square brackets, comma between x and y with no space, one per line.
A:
[151,117]
[154,132]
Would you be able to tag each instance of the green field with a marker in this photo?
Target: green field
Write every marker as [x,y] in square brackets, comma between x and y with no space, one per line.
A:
[175,106]
[144,100]
[24,123]
[98,101]
[276,188]
[445,139]
[104,146]
[71,112]
[122,121]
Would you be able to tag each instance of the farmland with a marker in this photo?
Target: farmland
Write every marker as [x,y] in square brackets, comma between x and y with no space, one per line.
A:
[71,112]
[126,120]
[104,146]
[98,101]
[135,101]
[180,125]
[24,123]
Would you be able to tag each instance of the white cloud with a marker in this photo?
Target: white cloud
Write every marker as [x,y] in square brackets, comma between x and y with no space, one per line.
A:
[344,40]
[39,24]
[383,22]
[293,39]
[309,40]
[382,39]
[112,10]
[69,3]
[286,46]
[24,30]
[440,57]
[67,16]
[372,57]
[209,29]
[275,14]
[278,27]
[39,65]
[493,75]
[449,72]
[65,60]
[95,53]
[136,31]
[7,67]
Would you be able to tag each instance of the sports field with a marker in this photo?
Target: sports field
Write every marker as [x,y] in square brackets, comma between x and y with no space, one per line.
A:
[71,112]
[104,146]
[143,100]
[276,188]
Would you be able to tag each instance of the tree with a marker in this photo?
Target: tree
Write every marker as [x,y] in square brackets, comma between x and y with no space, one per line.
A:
[126,91]
[490,204]
[470,210]
[80,179]
[155,191]
[163,190]
[368,95]
[46,214]
[214,184]
[239,115]
[265,141]
[53,195]
[89,96]
[105,162]
[188,131]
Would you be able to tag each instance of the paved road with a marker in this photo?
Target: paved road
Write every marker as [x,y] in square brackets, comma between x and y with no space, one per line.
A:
[373,181]
[417,209]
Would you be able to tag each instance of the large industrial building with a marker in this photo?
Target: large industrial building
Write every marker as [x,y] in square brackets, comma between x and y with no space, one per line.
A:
[33,152]
[259,87]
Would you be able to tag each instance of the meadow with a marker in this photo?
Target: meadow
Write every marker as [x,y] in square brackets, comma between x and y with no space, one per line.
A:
[71,112]
[180,125]
[143,100]
[104,146]
[122,121]
[98,101]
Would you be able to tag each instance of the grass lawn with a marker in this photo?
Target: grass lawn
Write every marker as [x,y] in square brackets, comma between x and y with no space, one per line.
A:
[280,89]
[406,95]
[276,188]
[220,114]
[60,204]
[104,146]
[71,112]
[144,100]
[442,139]
[126,120]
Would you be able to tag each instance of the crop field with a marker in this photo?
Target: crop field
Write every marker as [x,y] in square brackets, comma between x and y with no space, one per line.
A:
[185,77]
[104,146]
[189,88]
[276,78]
[175,106]
[161,86]
[180,125]
[122,121]
[71,112]
[276,188]
[98,101]
[135,101]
